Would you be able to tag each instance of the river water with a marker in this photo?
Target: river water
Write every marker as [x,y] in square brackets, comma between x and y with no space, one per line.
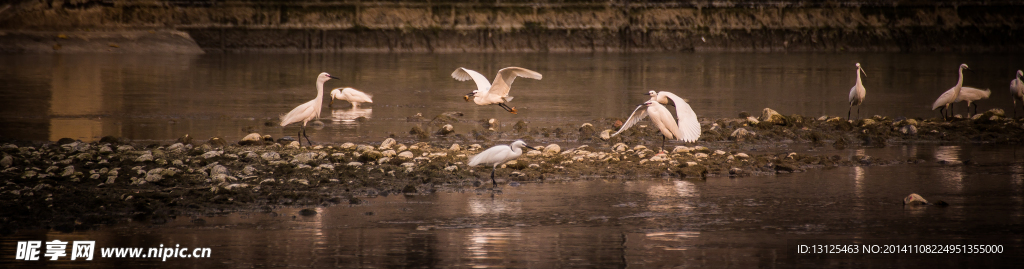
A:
[162,97]
[659,222]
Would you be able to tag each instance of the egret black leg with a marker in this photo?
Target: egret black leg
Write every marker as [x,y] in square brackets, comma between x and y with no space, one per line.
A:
[663,138]
[858,112]
[298,136]
[848,113]
[493,182]
[306,136]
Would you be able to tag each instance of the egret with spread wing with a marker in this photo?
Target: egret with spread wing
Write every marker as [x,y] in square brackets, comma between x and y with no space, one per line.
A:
[689,127]
[487,93]
[661,117]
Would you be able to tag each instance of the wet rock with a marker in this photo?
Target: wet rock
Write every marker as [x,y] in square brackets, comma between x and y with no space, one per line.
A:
[908,129]
[451,168]
[304,157]
[770,116]
[307,212]
[606,134]
[355,164]
[787,167]
[700,155]
[145,157]
[865,123]
[270,156]
[736,171]
[176,147]
[371,156]
[520,127]
[125,148]
[740,134]
[445,130]
[154,175]
[251,139]
[364,149]
[217,142]
[639,148]
[752,121]
[7,161]
[294,145]
[681,149]
[620,147]
[348,146]
[455,147]
[249,170]
[914,199]
[406,155]
[587,131]
[387,144]
[212,154]
[719,152]
[68,171]
[694,170]
[552,150]
[418,132]
[389,153]
[742,156]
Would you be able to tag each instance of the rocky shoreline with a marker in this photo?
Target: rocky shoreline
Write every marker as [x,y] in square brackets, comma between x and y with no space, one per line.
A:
[67,185]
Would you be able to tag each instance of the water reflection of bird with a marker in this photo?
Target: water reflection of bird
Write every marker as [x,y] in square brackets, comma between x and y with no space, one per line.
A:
[857,93]
[487,93]
[1017,91]
[659,115]
[970,94]
[350,115]
[689,127]
[309,110]
[950,95]
[499,155]
[349,94]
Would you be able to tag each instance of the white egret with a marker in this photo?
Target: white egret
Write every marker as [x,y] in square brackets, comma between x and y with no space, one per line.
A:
[950,95]
[499,155]
[857,93]
[661,117]
[310,110]
[487,93]
[349,94]
[971,94]
[689,127]
[1017,91]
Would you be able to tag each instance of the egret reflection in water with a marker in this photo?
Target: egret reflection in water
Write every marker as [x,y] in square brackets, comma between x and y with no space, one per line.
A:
[349,116]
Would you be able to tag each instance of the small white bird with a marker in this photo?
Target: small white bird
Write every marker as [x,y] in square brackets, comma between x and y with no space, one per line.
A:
[970,95]
[857,93]
[499,155]
[689,127]
[661,117]
[487,93]
[1017,91]
[310,110]
[349,94]
[950,95]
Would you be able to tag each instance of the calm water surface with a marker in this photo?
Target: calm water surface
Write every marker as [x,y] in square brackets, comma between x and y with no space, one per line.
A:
[162,97]
[721,222]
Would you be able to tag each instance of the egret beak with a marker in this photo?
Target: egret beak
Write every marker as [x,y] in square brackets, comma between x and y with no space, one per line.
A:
[466,97]
[529,147]
[862,71]
[330,76]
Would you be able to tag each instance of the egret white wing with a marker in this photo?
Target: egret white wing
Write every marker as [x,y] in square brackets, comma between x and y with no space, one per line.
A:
[1017,87]
[689,127]
[463,74]
[491,156]
[945,98]
[662,118]
[503,81]
[638,114]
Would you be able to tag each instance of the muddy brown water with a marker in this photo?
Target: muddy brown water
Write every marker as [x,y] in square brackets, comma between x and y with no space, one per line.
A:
[657,222]
[162,97]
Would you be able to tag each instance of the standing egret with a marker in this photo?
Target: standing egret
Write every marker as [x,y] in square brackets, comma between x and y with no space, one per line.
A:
[661,118]
[857,93]
[971,94]
[1017,91]
[499,155]
[689,127]
[950,95]
[497,92]
[310,110]
[349,94]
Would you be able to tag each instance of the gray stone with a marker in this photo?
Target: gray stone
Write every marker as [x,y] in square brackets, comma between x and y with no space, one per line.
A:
[218,170]
[770,116]
[249,170]
[7,161]
[552,150]
[271,156]
[908,129]
[146,157]
[212,154]
[407,155]
[387,144]
[304,157]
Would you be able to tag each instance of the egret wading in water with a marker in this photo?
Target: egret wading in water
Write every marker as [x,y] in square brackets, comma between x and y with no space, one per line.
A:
[488,93]
[1017,91]
[857,93]
[499,155]
[971,95]
[308,111]
[349,94]
[951,95]
[689,127]
[661,117]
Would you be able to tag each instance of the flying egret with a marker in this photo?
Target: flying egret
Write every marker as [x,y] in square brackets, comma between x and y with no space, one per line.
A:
[661,118]
[857,93]
[494,93]
[310,110]
[971,94]
[499,155]
[349,94]
[689,127]
[950,95]
[1017,91]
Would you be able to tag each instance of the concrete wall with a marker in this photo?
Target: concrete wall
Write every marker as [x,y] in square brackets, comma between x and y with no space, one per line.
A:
[618,25]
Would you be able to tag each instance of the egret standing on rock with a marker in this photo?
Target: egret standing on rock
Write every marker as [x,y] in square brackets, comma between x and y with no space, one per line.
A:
[1017,91]
[499,155]
[857,93]
[970,95]
[661,118]
[950,95]
[494,93]
[349,94]
[310,110]
[689,127]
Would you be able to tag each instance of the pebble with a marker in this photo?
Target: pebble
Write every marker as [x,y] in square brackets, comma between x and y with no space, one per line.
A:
[212,154]
[270,156]
[387,144]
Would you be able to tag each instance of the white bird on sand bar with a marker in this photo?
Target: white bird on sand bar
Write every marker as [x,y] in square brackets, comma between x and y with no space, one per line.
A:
[970,95]
[1017,91]
[309,110]
[661,117]
[857,93]
[349,94]
[488,93]
[499,155]
[949,97]
[689,127]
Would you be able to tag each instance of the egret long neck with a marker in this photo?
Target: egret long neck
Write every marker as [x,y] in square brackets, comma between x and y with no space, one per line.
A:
[858,76]
[319,91]
[960,82]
